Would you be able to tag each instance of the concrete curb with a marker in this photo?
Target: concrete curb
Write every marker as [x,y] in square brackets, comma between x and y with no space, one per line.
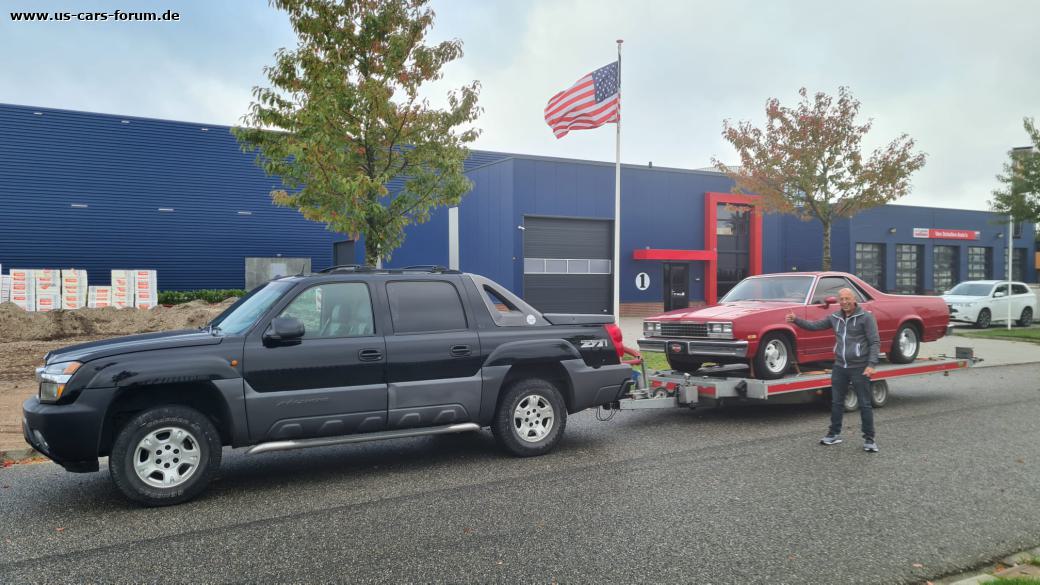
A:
[1006,567]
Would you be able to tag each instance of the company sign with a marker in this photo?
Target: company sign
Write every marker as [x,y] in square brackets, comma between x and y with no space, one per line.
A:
[943,234]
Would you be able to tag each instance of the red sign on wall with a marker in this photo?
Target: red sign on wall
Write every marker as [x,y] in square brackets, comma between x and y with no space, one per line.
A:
[944,234]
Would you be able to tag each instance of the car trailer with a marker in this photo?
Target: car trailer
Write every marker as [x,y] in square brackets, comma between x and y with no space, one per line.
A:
[719,385]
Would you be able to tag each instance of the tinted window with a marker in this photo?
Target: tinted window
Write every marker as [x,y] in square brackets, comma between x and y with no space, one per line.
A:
[1001,290]
[425,306]
[771,288]
[1019,289]
[830,286]
[971,289]
[342,309]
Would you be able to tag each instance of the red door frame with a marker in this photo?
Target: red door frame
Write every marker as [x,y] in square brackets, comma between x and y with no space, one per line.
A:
[711,201]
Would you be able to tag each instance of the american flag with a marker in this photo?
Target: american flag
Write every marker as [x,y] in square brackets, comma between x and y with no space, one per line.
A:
[590,103]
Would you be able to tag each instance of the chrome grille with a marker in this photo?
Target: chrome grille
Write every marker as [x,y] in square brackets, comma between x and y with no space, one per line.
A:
[684,330]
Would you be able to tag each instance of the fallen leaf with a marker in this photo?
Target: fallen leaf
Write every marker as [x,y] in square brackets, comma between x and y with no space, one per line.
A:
[8,463]
[792,557]
[60,529]
[917,565]
[467,531]
[1020,460]
[498,562]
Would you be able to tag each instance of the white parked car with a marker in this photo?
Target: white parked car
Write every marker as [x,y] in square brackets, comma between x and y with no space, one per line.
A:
[981,302]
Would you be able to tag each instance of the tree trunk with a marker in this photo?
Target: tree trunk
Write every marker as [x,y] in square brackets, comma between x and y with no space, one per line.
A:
[371,254]
[826,244]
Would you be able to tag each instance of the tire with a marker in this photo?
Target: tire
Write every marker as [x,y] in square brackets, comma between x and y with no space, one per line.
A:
[851,403]
[905,345]
[774,356]
[530,418]
[173,430]
[1027,317]
[984,319]
[685,364]
[878,393]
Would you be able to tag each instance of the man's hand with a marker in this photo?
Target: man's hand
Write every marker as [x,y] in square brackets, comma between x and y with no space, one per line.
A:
[790,317]
[868,372]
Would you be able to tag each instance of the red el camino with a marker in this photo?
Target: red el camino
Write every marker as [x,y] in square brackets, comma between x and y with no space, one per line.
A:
[748,326]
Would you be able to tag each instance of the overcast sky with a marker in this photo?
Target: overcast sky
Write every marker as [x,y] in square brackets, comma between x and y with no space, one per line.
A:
[957,76]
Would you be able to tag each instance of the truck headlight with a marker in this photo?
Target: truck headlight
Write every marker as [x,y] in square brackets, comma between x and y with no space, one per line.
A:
[721,329]
[54,378]
[651,328]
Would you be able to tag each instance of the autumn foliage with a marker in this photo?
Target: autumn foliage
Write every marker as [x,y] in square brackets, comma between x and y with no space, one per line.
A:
[807,161]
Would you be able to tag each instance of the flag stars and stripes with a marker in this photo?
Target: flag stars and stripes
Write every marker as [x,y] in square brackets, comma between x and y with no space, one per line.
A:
[592,101]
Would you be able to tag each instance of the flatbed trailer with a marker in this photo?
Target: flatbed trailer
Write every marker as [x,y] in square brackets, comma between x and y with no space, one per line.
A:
[722,385]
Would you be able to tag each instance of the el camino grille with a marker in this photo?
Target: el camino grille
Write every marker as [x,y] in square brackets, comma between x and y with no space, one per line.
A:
[684,330]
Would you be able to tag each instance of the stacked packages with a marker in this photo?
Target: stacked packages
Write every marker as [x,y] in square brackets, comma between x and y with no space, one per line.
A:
[48,289]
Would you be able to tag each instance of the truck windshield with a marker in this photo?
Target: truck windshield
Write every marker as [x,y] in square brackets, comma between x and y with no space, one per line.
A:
[971,289]
[239,317]
[786,289]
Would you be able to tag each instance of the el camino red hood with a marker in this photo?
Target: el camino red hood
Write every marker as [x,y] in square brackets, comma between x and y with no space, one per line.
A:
[725,311]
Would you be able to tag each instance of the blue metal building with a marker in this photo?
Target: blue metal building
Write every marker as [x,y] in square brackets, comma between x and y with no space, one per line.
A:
[100,191]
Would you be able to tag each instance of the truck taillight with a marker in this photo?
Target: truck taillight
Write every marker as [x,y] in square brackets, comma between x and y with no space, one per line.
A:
[615,335]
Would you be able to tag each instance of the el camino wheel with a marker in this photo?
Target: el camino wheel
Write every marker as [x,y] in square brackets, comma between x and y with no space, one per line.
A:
[165,455]
[530,418]
[774,356]
[1027,317]
[905,345]
[983,320]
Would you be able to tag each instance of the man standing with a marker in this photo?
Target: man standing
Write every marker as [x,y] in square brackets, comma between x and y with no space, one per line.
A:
[855,355]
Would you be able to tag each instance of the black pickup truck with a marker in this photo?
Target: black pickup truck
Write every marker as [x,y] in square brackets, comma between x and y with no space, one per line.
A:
[353,354]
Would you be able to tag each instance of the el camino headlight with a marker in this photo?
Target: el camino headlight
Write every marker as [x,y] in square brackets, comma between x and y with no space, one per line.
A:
[651,328]
[53,379]
[722,330]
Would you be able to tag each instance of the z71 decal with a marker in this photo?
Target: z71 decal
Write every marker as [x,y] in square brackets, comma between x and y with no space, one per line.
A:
[593,343]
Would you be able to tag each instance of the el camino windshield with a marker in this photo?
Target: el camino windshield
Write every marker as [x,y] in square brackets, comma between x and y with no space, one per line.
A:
[786,289]
[239,317]
[971,289]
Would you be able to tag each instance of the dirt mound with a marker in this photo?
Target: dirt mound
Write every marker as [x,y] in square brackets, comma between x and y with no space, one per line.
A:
[19,325]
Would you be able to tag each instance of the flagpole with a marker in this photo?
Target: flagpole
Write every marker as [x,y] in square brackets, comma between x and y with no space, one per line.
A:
[617,198]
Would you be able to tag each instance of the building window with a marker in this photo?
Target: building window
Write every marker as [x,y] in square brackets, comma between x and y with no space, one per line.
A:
[566,266]
[1016,231]
[1018,263]
[945,261]
[980,263]
[870,264]
[909,269]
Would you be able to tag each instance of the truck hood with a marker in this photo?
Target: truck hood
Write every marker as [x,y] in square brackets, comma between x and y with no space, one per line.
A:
[725,311]
[149,341]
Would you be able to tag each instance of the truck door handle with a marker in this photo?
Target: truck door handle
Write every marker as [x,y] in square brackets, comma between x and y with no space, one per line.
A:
[370,355]
[460,350]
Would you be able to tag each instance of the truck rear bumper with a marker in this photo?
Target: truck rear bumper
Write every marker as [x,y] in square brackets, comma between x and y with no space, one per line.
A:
[596,386]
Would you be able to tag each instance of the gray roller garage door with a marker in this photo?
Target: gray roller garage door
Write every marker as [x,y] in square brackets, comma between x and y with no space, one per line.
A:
[567,264]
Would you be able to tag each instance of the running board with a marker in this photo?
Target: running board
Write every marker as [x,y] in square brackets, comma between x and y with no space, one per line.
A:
[378,436]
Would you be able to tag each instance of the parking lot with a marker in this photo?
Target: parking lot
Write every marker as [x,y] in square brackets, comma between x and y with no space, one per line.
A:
[738,495]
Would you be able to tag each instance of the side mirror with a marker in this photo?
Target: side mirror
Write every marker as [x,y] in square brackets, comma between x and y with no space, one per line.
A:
[997,295]
[946,292]
[830,301]
[285,331]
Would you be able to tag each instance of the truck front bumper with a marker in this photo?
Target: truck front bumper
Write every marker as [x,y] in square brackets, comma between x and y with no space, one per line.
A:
[68,434]
[707,347]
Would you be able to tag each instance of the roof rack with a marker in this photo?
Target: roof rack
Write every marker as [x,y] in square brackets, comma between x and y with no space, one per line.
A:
[427,268]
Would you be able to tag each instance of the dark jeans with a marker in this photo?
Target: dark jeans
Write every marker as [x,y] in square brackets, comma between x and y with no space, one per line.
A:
[840,380]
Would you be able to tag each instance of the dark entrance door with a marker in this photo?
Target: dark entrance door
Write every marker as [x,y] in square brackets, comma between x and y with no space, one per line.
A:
[343,253]
[676,286]
[733,241]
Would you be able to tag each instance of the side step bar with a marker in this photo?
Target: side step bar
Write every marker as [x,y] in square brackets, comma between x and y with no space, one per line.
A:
[378,436]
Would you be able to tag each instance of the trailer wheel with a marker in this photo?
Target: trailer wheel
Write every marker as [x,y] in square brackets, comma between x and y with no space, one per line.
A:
[878,393]
[530,418]
[851,400]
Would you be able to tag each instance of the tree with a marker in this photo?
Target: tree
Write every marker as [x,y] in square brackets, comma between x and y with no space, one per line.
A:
[343,118]
[806,161]
[1020,194]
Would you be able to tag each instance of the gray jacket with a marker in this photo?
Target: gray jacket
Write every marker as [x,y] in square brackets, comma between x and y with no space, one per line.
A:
[857,344]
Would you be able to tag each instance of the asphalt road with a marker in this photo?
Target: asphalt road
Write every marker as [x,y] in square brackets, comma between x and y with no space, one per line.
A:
[740,495]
